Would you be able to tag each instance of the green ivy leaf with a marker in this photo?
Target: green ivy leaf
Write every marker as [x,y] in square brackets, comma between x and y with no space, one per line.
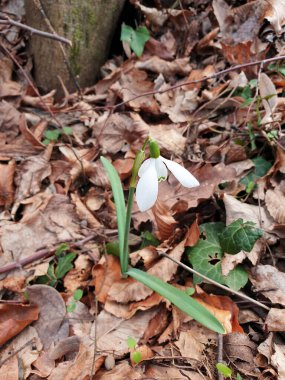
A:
[238,236]
[135,38]
[236,278]
[67,130]
[206,255]
[261,167]
[63,247]
[71,307]
[148,239]
[239,377]
[224,369]
[64,265]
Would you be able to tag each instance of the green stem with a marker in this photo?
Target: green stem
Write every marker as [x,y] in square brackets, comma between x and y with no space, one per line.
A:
[125,256]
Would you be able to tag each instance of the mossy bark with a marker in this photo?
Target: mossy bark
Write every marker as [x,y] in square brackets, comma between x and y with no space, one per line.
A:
[89,24]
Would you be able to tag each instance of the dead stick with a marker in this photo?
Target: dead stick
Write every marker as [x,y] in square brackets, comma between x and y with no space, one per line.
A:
[241,295]
[8,21]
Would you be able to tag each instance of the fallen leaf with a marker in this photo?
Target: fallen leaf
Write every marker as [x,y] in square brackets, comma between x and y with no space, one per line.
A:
[7,183]
[168,69]
[274,200]
[229,262]
[268,94]
[164,220]
[275,320]
[121,371]
[78,277]
[270,282]
[52,324]
[14,318]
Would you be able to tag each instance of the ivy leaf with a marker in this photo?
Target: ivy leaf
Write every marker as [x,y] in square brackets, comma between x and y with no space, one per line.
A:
[52,135]
[237,278]
[131,343]
[77,295]
[238,236]
[64,265]
[261,168]
[224,370]
[137,357]
[135,38]
[206,255]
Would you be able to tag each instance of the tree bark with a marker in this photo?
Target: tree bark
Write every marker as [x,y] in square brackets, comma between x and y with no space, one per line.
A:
[89,24]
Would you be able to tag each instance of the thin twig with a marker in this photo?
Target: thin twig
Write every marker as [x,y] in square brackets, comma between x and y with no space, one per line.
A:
[215,282]
[4,19]
[187,83]
[220,354]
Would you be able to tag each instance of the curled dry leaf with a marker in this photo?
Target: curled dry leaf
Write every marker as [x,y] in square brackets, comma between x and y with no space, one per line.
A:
[229,262]
[164,220]
[269,97]
[168,69]
[169,138]
[121,371]
[239,347]
[9,122]
[84,213]
[78,276]
[14,318]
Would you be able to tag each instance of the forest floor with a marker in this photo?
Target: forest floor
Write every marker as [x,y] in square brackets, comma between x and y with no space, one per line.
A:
[208,87]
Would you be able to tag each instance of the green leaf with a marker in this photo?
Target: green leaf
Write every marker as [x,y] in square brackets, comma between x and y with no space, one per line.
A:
[239,377]
[71,307]
[131,343]
[236,278]
[113,248]
[238,236]
[179,298]
[261,167]
[61,249]
[64,265]
[52,135]
[224,370]
[148,239]
[135,38]
[67,130]
[137,357]
[206,255]
[119,203]
[77,295]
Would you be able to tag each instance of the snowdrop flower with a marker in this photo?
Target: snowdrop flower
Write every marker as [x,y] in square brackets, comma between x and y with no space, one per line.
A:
[154,170]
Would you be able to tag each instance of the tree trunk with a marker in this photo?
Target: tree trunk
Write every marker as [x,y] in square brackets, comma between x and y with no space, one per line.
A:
[89,24]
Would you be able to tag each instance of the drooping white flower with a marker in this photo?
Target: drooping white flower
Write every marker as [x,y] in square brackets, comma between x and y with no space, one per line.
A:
[154,170]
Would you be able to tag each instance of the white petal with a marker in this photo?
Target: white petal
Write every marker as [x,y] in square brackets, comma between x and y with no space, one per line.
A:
[181,174]
[144,166]
[147,188]
[161,169]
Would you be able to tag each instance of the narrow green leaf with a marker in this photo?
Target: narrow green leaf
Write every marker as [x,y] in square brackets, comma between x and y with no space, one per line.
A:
[64,265]
[119,203]
[179,298]
[131,343]
[224,369]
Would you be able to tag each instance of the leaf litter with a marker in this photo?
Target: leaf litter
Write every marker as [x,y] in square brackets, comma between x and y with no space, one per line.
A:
[224,127]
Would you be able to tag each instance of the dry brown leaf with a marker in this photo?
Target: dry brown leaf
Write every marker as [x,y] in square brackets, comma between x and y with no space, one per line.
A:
[9,122]
[41,225]
[14,318]
[189,346]
[169,373]
[278,360]
[275,320]
[25,347]
[30,175]
[168,69]
[148,255]
[94,199]
[124,167]
[121,371]
[193,234]
[115,131]
[269,97]
[7,183]
[270,282]
[229,262]
[78,276]
[52,325]
[135,83]
[164,220]
[239,347]
[10,369]
[275,203]
[8,87]
[84,213]
[169,138]
[105,274]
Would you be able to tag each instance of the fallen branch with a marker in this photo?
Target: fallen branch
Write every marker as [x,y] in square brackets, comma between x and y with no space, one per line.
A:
[4,19]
